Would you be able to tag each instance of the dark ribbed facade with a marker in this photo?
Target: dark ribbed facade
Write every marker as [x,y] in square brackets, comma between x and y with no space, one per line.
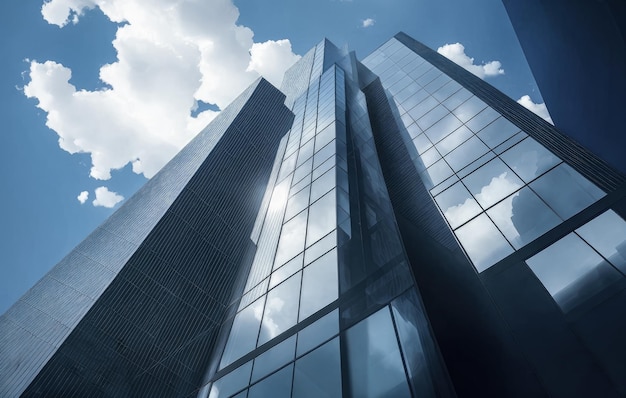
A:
[394,227]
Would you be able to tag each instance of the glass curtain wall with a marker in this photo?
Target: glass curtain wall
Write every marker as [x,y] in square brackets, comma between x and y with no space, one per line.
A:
[329,301]
[497,188]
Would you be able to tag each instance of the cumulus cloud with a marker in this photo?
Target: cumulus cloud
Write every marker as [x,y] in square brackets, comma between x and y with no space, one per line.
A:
[170,55]
[106,198]
[539,109]
[269,58]
[456,53]
[366,23]
[82,197]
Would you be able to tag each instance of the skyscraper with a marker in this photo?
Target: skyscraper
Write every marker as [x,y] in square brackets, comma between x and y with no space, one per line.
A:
[394,227]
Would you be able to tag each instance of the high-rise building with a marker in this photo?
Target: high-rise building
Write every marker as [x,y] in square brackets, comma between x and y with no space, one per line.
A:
[392,227]
[577,53]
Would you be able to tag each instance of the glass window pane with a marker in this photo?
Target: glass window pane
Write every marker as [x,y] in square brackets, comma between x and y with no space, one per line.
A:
[497,132]
[483,243]
[281,309]
[374,363]
[571,271]
[319,284]
[444,92]
[291,238]
[457,99]
[423,107]
[229,384]
[523,217]
[306,151]
[274,358]
[529,159]
[466,153]
[323,184]
[479,121]
[457,205]
[430,156]
[297,202]
[318,374]
[432,117]
[277,385]
[318,332]
[323,218]
[243,333]
[302,171]
[469,109]
[323,154]
[415,99]
[286,270]
[443,127]
[492,182]
[324,137]
[320,247]
[455,139]
[422,143]
[607,234]
[436,173]
[566,191]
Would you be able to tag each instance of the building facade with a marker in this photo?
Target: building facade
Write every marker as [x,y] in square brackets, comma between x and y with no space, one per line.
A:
[391,227]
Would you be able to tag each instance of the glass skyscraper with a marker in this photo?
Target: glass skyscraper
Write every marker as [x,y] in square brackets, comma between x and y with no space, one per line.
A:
[391,227]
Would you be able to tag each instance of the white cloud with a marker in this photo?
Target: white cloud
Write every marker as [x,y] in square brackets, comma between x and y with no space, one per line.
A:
[366,23]
[539,109]
[170,54]
[82,197]
[456,53]
[106,198]
[269,59]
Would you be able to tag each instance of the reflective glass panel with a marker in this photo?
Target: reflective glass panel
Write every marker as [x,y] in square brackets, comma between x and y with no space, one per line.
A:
[306,151]
[566,191]
[422,108]
[323,154]
[457,99]
[443,127]
[281,309]
[455,139]
[422,143]
[297,202]
[466,153]
[523,217]
[291,238]
[479,121]
[302,171]
[469,109]
[432,117]
[483,243]
[374,363]
[324,137]
[320,247]
[436,173]
[413,130]
[457,205]
[243,333]
[607,234]
[571,271]
[529,159]
[232,382]
[430,156]
[323,218]
[492,182]
[318,332]
[323,184]
[497,132]
[318,374]
[286,271]
[274,358]
[277,385]
[319,284]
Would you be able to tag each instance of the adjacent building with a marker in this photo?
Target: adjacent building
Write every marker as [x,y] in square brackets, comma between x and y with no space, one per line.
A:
[391,227]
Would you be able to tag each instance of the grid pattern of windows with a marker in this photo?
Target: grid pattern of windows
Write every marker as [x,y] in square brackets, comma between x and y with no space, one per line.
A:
[497,188]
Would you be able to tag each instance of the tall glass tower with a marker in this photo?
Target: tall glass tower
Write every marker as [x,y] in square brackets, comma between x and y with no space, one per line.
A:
[391,227]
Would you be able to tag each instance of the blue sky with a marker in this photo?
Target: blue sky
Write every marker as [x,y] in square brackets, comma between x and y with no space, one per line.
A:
[146,75]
